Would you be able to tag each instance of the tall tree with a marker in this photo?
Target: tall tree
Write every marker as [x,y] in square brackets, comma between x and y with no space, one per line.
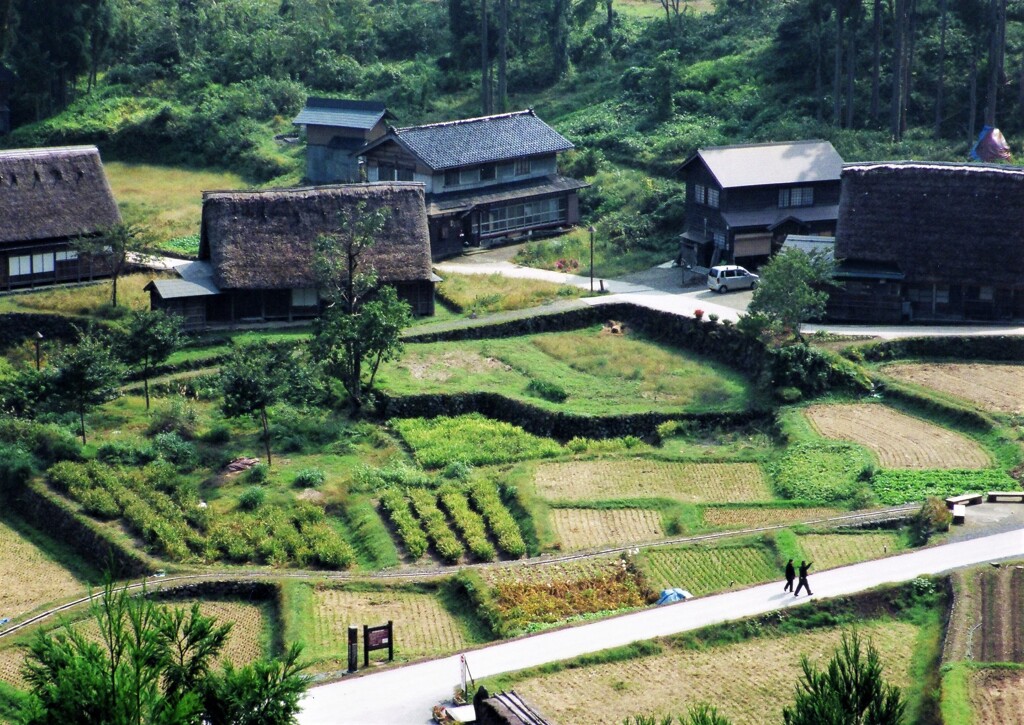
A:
[120,244]
[850,691]
[83,376]
[150,338]
[486,97]
[940,80]
[996,58]
[791,290]
[252,380]
[876,60]
[503,55]
[561,16]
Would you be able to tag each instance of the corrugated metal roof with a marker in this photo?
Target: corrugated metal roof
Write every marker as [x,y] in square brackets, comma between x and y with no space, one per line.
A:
[341,113]
[794,162]
[169,289]
[532,188]
[483,140]
[808,244]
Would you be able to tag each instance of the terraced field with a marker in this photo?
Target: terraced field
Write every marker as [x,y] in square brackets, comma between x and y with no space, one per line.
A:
[733,677]
[755,516]
[997,696]
[554,572]
[422,626]
[587,528]
[29,578]
[991,387]
[987,624]
[828,551]
[703,570]
[690,482]
[899,441]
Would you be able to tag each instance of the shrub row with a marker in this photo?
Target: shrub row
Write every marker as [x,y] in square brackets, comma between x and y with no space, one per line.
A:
[558,425]
[19,327]
[395,505]
[47,442]
[487,501]
[445,542]
[468,522]
[998,348]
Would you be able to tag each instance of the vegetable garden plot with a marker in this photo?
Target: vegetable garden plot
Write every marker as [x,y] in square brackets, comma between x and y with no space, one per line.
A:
[733,677]
[991,387]
[704,570]
[997,696]
[831,550]
[28,578]
[587,528]
[422,626]
[638,478]
[567,571]
[755,516]
[899,440]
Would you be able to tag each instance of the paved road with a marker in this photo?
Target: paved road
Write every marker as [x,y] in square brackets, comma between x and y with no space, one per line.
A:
[404,695]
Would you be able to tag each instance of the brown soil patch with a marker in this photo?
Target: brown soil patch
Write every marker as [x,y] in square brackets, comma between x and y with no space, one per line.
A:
[439,368]
[991,387]
[899,441]
[28,578]
[987,621]
[639,478]
[828,551]
[568,571]
[997,696]
[422,626]
[734,678]
[729,517]
[586,528]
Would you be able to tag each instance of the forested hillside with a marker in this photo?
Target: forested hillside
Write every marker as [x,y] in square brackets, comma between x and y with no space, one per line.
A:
[636,84]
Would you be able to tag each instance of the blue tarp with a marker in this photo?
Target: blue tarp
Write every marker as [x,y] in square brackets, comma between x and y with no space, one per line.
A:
[669,596]
[990,146]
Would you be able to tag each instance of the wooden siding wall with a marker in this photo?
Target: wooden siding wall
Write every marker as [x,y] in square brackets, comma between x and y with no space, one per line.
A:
[83,269]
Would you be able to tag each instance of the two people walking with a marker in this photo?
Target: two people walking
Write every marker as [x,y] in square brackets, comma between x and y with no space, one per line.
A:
[791,576]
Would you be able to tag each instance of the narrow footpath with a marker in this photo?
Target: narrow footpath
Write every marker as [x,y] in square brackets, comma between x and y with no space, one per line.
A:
[404,695]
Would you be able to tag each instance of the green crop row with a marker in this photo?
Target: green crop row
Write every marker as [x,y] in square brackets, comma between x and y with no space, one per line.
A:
[486,499]
[445,542]
[468,522]
[473,439]
[900,486]
[395,505]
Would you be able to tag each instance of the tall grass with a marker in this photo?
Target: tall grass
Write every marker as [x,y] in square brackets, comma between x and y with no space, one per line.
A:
[482,293]
[89,299]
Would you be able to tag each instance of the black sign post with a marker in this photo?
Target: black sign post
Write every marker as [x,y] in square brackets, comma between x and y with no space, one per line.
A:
[381,637]
[353,648]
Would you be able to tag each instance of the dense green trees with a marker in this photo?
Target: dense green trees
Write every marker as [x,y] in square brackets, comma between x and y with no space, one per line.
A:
[82,376]
[150,338]
[792,290]
[153,666]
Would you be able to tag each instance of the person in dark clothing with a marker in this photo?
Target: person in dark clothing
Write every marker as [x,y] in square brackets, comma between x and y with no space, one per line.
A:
[790,576]
[804,566]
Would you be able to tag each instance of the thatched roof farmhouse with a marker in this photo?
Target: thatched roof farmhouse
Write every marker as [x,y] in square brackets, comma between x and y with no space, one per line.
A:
[256,252]
[930,241]
[48,197]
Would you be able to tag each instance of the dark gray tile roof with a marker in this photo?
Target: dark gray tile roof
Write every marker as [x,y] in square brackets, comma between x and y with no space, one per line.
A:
[341,113]
[795,162]
[529,189]
[770,218]
[483,140]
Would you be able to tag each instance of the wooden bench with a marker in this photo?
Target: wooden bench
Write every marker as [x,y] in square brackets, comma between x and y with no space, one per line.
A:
[959,513]
[994,496]
[967,499]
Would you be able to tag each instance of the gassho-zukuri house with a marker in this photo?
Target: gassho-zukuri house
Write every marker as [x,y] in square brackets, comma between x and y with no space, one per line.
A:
[48,198]
[486,179]
[256,249]
[924,241]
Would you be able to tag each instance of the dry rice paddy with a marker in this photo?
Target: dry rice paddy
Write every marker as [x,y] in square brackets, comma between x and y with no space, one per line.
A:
[704,570]
[690,482]
[586,528]
[28,579]
[733,677]
[991,387]
[899,441]
[828,551]
[556,571]
[997,696]
[730,517]
[244,644]
[422,626]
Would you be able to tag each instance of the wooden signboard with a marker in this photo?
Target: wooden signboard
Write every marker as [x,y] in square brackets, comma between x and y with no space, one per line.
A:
[375,638]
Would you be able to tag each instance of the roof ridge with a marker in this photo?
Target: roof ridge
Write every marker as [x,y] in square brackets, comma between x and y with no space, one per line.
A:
[45,151]
[456,122]
[944,165]
[765,143]
[314,187]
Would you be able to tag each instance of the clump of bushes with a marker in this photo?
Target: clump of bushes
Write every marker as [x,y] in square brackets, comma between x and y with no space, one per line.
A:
[126,453]
[15,467]
[546,390]
[252,498]
[309,478]
[395,505]
[258,473]
[178,416]
[932,518]
[173,448]
[218,433]
[47,442]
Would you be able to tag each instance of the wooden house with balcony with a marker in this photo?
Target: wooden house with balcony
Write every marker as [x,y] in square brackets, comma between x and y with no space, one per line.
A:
[48,198]
[486,179]
[256,253]
[743,201]
[926,241]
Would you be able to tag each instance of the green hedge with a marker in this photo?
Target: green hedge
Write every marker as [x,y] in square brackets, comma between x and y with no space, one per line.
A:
[1002,348]
[19,327]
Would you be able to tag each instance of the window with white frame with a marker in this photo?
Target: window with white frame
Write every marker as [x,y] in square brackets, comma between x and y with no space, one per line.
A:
[66,256]
[797,196]
[17,266]
[305,297]
[42,263]
[526,215]
[713,197]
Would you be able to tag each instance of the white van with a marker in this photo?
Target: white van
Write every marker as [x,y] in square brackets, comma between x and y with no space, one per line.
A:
[730,276]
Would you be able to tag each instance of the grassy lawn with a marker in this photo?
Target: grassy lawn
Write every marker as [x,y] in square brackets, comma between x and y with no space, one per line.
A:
[485,293]
[167,200]
[596,372]
[570,253]
[91,300]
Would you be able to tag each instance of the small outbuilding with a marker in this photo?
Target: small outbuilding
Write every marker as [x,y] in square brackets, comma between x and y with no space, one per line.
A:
[335,129]
[256,253]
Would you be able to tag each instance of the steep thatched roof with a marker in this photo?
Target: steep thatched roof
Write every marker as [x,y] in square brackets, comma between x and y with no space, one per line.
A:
[265,239]
[937,222]
[53,193]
